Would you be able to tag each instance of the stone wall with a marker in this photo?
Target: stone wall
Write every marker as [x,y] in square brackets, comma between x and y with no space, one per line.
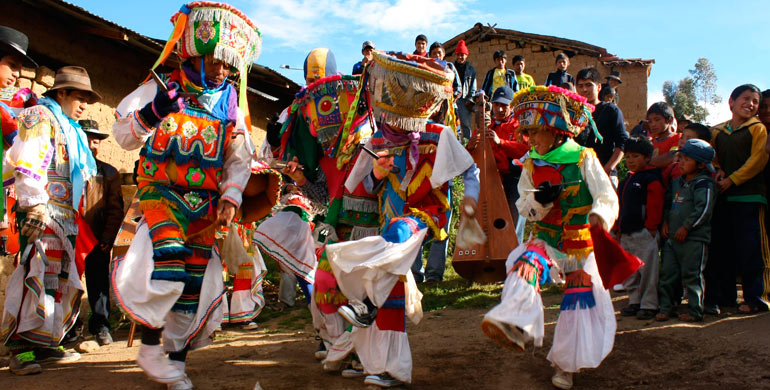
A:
[540,62]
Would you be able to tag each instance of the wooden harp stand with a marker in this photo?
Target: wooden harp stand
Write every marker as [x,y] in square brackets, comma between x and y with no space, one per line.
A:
[485,263]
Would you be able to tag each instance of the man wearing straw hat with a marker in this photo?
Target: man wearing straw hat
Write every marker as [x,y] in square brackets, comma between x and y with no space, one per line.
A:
[50,163]
[191,127]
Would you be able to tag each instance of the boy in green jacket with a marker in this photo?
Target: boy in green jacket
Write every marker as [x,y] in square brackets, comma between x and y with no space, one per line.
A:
[687,225]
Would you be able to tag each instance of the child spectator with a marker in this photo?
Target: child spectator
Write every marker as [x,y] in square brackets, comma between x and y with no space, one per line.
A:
[687,225]
[764,109]
[660,119]
[693,130]
[421,45]
[560,76]
[641,210]
[740,245]
[499,76]
[607,94]
[524,80]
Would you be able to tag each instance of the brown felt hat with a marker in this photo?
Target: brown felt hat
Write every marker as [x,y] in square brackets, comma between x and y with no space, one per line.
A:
[75,77]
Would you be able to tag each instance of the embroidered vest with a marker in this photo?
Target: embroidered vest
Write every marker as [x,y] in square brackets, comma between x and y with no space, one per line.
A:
[409,191]
[565,227]
[186,150]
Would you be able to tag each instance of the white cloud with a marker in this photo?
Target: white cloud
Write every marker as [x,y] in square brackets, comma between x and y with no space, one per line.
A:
[300,23]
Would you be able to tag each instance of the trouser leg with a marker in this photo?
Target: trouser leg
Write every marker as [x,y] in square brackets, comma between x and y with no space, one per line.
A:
[98,285]
[694,258]
[669,285]
[752,252]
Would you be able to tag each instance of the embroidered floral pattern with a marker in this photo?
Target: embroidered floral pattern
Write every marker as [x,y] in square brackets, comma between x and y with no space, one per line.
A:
[205,31]
[168,124]
[195,177]
[189,129]
[209,134]
[149,168]
[193,199]
[31,119]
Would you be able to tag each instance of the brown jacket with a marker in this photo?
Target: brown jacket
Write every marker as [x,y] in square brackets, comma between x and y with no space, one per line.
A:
[104,203]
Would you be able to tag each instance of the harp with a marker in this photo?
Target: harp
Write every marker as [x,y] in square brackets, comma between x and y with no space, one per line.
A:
[485,263]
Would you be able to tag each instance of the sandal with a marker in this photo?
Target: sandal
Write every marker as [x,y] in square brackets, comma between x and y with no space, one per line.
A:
[747,309]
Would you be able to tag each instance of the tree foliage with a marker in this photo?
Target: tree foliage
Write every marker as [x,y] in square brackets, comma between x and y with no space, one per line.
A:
[689,96]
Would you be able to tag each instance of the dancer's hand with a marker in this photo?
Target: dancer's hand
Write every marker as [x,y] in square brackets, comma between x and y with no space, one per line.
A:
[34,223]
[295,173]
[383,165]
[225,212]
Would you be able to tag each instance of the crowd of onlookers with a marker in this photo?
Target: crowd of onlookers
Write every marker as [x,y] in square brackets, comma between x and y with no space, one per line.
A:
[693,197]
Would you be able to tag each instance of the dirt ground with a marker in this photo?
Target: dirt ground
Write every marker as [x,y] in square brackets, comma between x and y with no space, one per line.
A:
[450,352]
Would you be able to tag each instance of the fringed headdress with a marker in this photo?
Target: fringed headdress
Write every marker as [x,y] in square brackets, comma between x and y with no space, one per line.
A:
[408,89]
[206,27]
[555,108]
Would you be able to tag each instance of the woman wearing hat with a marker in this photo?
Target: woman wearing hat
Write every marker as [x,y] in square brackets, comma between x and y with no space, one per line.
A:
[50,163]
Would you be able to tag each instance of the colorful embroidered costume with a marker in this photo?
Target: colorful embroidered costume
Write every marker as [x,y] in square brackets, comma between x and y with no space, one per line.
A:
[585,331]
[406,90]
[45,290]
[195,152]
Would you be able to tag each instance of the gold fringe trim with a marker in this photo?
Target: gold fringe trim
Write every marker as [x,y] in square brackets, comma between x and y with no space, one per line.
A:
[438,233]
[576,234]
[425,172]
[579,253]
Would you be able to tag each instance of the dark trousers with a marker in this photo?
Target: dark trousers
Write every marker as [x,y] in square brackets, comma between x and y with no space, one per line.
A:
[739,247]
[98,288]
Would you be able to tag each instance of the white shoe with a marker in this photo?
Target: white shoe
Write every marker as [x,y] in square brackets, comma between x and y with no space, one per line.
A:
[184,384]
[251,325]
[619,287]
[351,372]
[157,366]
[562,379]
[508,336]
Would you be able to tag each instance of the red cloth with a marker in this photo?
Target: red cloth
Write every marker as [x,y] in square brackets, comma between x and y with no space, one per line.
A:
[663,146]
[614,263]
[510,148]
[84,243]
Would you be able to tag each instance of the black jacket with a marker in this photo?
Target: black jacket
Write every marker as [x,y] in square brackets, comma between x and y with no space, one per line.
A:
[510,81]
[468,81]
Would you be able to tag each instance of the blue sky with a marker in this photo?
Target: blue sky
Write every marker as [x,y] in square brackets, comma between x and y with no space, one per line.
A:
[674,33]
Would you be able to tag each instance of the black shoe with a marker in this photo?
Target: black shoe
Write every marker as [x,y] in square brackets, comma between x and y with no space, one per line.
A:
[630,310]
[645,314]
[24,364]
[103,337]
[382,380]
[320,353]
[712,310]
[56,355]
[358,314]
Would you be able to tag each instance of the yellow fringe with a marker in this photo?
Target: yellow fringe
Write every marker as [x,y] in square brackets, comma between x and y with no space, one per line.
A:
[424,173]
[438,233]
[576,234]
[580,253]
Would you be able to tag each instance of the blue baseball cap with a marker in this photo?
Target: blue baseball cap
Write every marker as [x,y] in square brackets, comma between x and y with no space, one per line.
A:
[503,95]
[700,151]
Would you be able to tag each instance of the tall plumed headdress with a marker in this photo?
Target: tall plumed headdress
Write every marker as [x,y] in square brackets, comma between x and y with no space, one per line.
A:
[556,108]
[408,89]
[206,27]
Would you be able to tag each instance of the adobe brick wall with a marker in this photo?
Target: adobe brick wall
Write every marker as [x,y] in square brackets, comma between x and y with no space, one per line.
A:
[540,62]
